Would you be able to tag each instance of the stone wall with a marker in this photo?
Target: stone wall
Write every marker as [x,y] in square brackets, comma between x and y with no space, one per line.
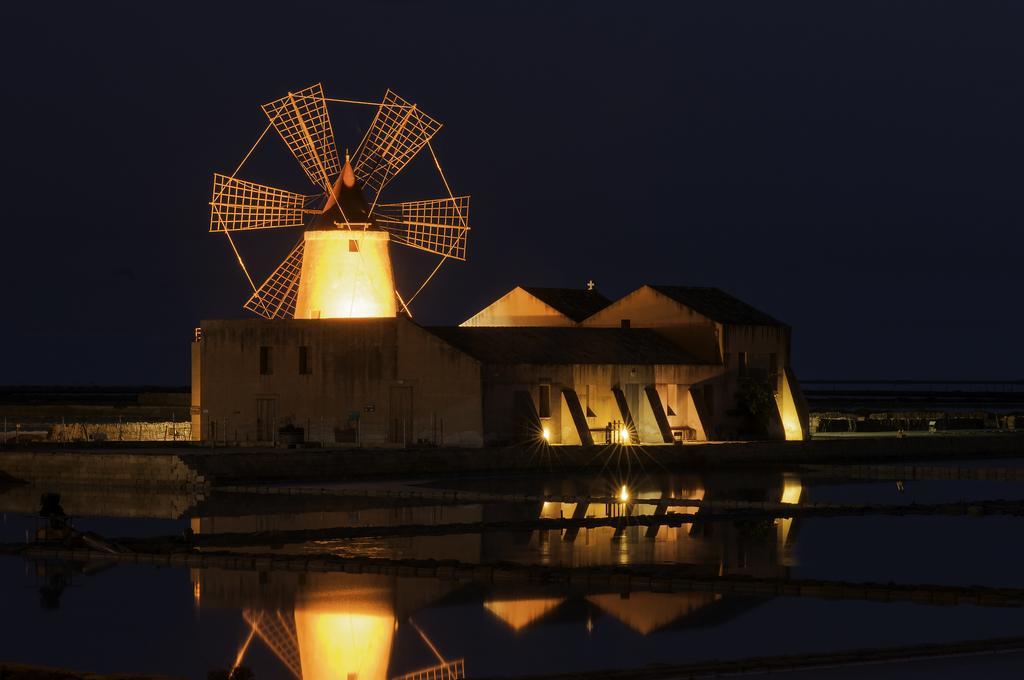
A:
[106,468]
[117,432]
[377,382]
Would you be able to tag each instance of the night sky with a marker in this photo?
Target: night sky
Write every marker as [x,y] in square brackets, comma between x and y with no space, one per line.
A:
[852,168]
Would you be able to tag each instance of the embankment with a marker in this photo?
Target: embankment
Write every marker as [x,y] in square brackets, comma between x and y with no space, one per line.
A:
[194,466]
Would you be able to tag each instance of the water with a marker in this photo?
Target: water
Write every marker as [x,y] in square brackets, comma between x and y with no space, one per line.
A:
[185,622]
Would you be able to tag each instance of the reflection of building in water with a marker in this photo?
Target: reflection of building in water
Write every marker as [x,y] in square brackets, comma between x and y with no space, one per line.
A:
[521,612]
[348,626]
[792,492]
[462,547]
[647,612]
[322,626]
[756,546]
[643,612]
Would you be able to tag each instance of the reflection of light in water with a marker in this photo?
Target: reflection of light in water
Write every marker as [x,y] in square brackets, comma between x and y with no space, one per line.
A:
[342,626]
[611,545]
[343,645]
[623,544]
[345,633]
[695,494]
[792,490]
[520,613]
[244,648]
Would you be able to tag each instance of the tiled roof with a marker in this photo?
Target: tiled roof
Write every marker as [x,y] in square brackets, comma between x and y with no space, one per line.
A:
[718,305]
[575,303]
[558,345]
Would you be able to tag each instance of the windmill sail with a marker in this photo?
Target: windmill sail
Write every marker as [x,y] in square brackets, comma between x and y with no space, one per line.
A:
[437,226]
[302,121]
[398,132]
[275,298]
[347,225]
[238,205]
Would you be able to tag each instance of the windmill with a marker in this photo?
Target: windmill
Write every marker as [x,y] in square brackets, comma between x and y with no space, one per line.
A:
[341,265]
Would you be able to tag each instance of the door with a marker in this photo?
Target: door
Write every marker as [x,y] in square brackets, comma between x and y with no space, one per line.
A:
[266,420]
[401,415]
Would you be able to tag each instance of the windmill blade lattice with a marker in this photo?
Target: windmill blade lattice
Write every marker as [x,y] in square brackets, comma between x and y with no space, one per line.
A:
[398,132]
[302,120]
[278,632]
[275,298]
[238,205]
[438,226]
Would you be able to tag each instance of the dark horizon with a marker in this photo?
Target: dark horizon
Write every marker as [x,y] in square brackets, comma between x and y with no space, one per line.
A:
[851,169]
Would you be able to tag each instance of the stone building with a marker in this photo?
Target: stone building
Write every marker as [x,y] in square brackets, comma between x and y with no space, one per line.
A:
[658,366]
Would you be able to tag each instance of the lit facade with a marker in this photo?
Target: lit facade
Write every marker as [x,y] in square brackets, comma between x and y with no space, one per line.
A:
[661,365]
[346,274]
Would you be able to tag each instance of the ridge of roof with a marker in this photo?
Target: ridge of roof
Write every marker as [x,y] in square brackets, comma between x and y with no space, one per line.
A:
[717,305]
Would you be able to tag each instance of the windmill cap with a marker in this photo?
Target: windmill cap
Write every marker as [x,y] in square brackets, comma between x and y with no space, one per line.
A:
[348,175]
[345,202]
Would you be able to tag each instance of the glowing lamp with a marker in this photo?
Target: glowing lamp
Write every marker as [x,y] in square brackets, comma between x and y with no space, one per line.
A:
[624,435]
[546,434]
[624,494]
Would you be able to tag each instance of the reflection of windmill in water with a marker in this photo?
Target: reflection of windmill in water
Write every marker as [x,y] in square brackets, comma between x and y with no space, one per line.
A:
[341,267]
[341,633]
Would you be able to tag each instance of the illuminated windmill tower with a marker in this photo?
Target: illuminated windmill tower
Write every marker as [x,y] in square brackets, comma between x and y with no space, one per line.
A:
[341,266]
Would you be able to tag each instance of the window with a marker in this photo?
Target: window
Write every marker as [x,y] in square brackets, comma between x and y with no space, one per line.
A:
[353,245]
[266,361]
[305,365]
[544,402]
[624,323]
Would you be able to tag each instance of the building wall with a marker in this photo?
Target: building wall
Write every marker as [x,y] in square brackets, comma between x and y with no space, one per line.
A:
[594,385]
[380,382]
[646,308]
[196,407]
[518,308]
[760,352]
